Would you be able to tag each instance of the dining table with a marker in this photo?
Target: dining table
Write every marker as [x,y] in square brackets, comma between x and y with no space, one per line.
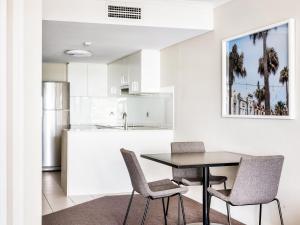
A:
[201,160]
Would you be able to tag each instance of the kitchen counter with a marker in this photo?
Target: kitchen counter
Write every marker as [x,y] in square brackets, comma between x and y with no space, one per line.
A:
[91,158]
[115,128]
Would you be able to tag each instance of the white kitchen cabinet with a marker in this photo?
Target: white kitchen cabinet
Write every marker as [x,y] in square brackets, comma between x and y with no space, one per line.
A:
[150,71]
[87,79]
[114,79]
[77,76]
[134,71]
[144,71]
[124,76]
[117,76]
[139,71]
[97,80]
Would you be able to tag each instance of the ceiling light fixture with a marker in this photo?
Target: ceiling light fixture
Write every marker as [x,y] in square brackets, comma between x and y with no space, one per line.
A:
[87,43]
[78,53]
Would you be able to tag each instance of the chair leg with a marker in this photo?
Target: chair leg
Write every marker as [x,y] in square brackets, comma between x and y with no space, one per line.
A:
[145,212]
[228,213]
[128,208]
[179,213]
[167,210]
[225,185]
[279,210]
[209,202]
[182,208]
[260,212]
[164,209]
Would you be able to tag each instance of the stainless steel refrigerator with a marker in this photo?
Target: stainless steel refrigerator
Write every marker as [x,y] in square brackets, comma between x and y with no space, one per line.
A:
[56,117]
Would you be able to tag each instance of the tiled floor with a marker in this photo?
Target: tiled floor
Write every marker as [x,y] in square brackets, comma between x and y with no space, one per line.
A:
[54,199]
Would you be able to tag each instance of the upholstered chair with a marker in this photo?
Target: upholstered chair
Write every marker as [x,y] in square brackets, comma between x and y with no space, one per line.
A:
[256,183]
[160,189]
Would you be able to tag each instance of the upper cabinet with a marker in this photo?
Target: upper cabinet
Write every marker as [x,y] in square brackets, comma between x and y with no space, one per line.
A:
[114,79]
[87,79]
[97,80]
[77,76]
[150,71]
[139,72]
[134,71]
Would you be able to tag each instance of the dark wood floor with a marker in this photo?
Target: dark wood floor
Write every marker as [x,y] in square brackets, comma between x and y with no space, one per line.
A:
[110,210]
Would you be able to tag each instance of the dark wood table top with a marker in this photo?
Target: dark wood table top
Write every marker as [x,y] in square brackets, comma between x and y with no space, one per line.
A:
[195,160]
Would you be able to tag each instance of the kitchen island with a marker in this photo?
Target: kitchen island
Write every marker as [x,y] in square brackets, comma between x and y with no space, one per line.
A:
[92,162]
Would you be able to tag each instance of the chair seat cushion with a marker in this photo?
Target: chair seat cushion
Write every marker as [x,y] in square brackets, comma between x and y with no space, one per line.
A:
[213,180]
[165,188]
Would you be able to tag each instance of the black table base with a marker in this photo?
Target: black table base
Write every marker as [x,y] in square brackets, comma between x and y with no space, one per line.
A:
[203,224]
[205,196]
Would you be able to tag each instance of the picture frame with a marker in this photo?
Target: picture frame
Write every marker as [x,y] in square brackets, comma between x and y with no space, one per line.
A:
[258,72]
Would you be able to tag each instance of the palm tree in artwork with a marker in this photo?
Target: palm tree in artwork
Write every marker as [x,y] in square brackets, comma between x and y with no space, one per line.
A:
[284,79]
[236,68]
[280,109]
[272,63]
[268,64]
[259,94]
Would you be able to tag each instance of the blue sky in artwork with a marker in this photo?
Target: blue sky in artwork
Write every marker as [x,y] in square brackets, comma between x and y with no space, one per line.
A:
[278,39]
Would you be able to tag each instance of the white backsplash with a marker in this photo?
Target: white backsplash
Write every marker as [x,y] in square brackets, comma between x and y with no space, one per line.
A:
[151,110]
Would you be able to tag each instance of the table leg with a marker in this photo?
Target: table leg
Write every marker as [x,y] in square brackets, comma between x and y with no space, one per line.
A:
[205,196]
[206,220]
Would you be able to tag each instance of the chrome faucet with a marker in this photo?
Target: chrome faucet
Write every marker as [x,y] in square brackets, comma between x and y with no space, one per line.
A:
[124,117]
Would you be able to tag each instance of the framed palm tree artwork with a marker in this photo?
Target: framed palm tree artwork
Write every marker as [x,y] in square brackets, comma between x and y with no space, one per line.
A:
[258,73]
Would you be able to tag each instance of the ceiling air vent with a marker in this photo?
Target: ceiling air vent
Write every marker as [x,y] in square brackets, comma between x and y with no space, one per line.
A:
[124,12]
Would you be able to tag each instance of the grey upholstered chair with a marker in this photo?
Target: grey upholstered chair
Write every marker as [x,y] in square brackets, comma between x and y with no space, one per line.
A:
[192,176]
[256,183]
[153,190]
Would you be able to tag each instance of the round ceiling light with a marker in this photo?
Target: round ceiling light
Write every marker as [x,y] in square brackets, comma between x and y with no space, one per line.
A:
[78,53]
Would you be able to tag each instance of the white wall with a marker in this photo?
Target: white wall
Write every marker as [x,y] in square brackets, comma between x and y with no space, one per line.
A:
[194,67]
[54,72]
[24,78]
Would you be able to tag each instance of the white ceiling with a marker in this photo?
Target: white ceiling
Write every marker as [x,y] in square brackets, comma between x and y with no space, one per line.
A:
[214,2]
[109,42]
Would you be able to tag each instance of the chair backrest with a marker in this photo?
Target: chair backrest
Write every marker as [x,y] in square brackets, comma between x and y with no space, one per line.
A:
[136,174]
[257,180]
[187,147]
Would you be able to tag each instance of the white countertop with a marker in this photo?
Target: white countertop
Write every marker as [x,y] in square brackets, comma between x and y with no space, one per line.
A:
[100,128]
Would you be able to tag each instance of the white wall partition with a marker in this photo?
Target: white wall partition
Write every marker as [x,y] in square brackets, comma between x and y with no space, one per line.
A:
[100,169]
[24,77]
[3,72]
